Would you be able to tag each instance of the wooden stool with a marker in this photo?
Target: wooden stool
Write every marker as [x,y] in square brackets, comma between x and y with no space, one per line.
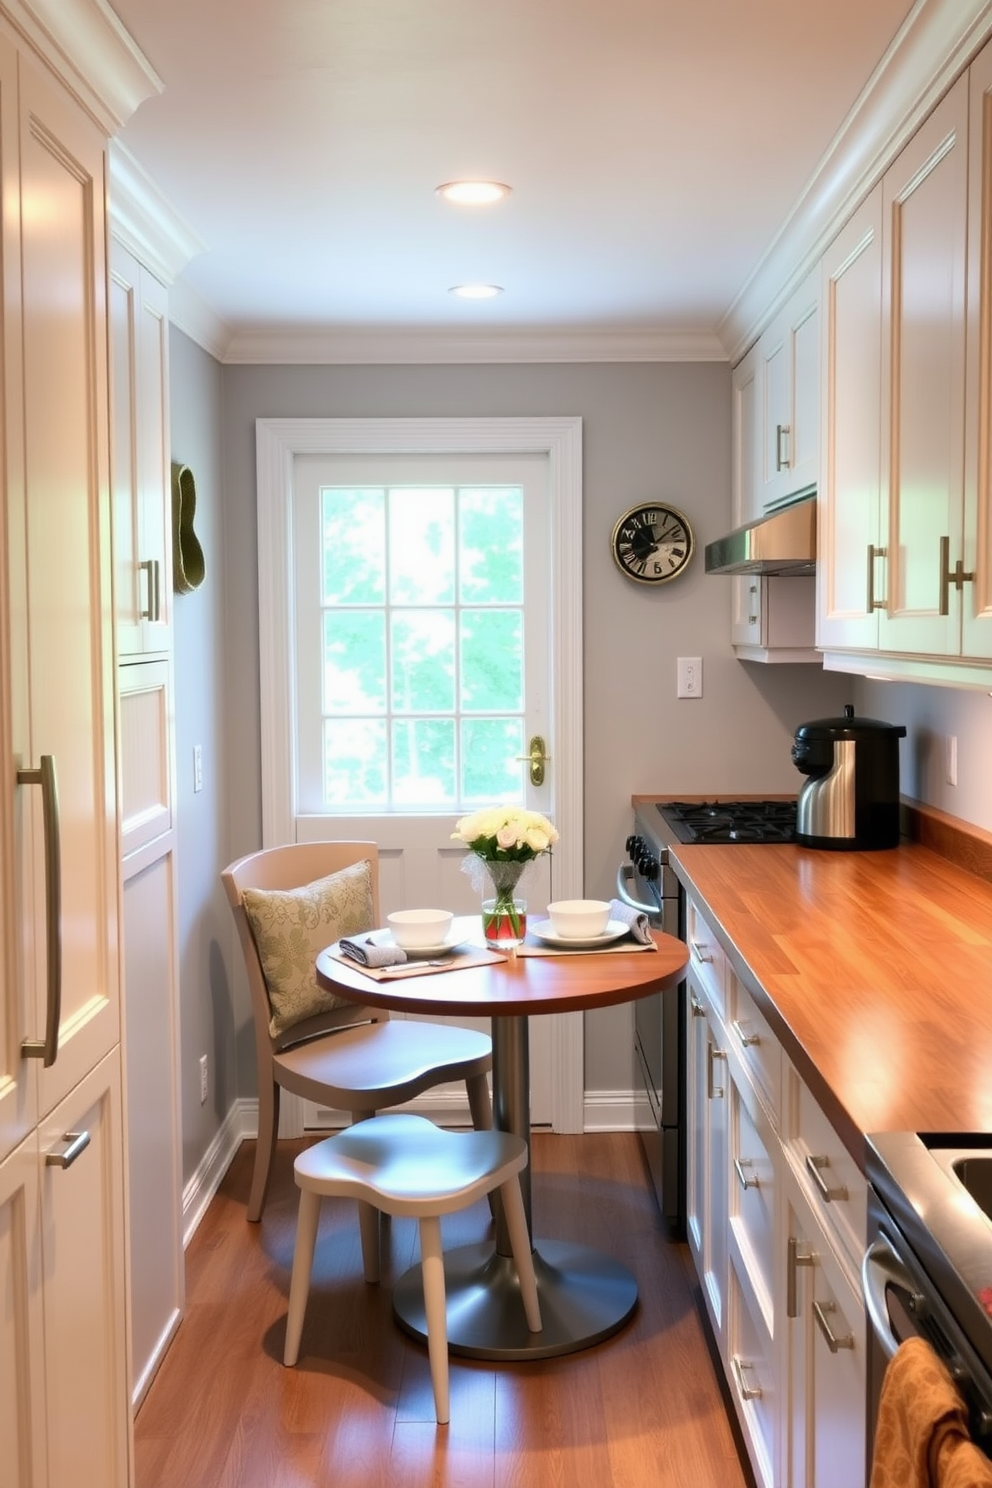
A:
[404,1165]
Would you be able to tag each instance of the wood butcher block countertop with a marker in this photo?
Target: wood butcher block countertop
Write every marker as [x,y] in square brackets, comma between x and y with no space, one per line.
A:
[874,969]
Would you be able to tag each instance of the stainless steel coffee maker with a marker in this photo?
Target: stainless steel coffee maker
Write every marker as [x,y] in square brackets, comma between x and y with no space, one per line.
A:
[850,801]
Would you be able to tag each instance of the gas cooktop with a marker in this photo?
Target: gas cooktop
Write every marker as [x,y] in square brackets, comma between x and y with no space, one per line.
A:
[729,821]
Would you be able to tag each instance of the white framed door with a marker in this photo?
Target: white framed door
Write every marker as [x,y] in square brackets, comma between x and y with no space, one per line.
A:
[405,840]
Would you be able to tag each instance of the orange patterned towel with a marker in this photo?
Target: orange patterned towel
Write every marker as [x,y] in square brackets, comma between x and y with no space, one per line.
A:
[921,1436]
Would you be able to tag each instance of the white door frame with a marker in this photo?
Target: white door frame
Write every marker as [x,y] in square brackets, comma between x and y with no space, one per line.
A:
[278,442]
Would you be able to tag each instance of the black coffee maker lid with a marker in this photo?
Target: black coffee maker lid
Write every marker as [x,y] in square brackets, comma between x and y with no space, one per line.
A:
[849,727]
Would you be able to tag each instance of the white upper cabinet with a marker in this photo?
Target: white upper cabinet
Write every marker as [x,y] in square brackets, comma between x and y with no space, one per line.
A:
[788,400]
[976,553]
[905,576]
[850,576]
[746,424]
[924,229]
[139,329]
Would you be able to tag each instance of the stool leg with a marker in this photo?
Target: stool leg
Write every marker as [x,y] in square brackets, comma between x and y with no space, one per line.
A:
[516,1224]
[368,1222]
[299,1286]
[432,1267]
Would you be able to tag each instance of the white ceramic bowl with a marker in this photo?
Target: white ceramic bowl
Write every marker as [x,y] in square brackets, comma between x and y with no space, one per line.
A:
[579,919]
[419,927]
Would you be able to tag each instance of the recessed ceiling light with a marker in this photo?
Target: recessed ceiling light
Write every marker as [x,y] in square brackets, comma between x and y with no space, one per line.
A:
[473,193]
[476,291]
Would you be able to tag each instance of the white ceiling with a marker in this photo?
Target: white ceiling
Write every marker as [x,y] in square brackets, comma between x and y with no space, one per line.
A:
[654,148]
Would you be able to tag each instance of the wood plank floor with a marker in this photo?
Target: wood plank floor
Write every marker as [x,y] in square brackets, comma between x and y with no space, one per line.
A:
[644,1408]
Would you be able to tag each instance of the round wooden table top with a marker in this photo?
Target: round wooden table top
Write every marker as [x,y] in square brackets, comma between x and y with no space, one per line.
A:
[519,985]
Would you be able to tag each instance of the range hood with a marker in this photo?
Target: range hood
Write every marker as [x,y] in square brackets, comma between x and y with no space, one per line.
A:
[784,543]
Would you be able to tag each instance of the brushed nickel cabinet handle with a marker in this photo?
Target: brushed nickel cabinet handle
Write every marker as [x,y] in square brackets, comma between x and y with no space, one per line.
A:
[698,951]
[873,553]
[152,568]
[47,1049]
[834,1343]
[713,1091]
[746,1391]
[814,1167]
[795,1259]
[958,577]
[744,1038]
[782,462]
[943,606]
[78,1142]
[740,1163]
[698,1011]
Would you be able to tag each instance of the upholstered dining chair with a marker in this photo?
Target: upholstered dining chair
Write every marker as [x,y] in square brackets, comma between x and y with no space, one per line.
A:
[289,903]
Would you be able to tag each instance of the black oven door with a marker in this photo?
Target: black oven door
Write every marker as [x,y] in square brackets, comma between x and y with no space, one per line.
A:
[659,1056]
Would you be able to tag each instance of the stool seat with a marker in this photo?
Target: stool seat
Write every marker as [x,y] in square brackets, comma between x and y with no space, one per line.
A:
[406,1166]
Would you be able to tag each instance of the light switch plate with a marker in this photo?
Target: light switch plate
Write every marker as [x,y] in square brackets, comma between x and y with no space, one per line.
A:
[690,677]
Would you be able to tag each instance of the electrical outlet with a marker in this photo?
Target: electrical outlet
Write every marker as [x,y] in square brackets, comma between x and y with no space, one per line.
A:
[197,767]
[951,759]
[203,1079]
[690,677]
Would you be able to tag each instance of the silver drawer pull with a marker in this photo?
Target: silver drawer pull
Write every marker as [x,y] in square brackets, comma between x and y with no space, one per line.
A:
[814,1167]
[796,1258]
[698,1011]
[746,1391]
[740,1163]
[834,1344]
[78,1142]
[744,1038]
[699,951]
[715,1092]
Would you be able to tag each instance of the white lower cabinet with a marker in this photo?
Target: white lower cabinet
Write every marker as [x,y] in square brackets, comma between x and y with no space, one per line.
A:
[776,1222]
[63,1369]
[824,1349]
[707,1196]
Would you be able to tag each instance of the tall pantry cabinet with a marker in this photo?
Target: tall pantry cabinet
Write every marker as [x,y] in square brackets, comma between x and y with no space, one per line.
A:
[139,360]
[64,1406]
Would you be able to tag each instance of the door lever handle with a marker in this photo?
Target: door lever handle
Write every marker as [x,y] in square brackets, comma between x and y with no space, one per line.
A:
[537,759]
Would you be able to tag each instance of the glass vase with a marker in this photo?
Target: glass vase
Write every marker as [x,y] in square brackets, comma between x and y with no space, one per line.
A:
[504,922]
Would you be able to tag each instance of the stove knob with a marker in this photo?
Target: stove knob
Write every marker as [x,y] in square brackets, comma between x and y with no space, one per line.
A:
[631,845]
[647,867]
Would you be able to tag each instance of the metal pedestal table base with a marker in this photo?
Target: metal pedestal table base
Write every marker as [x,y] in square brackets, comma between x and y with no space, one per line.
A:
[585,1296]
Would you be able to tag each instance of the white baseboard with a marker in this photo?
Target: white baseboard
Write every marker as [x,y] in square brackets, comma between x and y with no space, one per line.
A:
[614,1111]
[240,1122]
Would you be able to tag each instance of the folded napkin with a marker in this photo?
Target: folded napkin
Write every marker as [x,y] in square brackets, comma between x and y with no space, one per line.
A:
[636,922]
[366,952]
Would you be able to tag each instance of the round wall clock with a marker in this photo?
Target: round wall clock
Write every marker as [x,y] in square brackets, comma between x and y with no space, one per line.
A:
[652,544]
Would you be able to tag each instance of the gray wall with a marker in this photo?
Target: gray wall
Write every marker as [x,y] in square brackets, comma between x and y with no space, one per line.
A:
[210,1022]
[930,715]
[650,431]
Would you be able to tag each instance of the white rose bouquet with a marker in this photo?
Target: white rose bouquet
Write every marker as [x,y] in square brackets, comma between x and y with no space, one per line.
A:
[501,841]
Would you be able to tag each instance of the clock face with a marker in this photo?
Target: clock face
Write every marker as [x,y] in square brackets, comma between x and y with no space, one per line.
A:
[652,544]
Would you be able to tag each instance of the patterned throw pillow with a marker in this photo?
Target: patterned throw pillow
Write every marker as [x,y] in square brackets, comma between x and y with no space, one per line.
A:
[291,926]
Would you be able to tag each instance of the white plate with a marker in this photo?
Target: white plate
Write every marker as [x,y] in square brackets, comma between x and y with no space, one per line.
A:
[545,930]
[417,953]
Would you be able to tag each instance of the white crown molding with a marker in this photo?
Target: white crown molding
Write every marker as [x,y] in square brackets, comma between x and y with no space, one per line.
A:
[372,345]
[86,46]
[145,221]
[933,45]
[194,317]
